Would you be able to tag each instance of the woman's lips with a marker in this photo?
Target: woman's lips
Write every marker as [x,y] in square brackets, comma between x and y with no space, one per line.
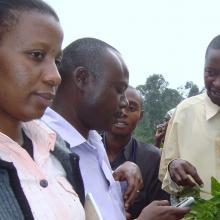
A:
[45,98]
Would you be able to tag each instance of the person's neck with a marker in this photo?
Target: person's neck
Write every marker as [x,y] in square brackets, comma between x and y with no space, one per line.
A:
[11,128]
[68,113]
[115,144]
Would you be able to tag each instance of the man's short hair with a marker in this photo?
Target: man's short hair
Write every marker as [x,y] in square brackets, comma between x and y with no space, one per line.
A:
[85,52]
[214,44]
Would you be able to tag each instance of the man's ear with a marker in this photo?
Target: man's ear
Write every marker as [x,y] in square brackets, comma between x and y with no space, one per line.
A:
[80,76]
[141,115]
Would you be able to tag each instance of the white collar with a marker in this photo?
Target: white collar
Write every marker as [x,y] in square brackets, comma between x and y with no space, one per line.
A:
[211,108]
[67,131]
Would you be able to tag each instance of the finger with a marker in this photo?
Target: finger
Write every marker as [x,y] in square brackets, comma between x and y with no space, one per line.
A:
[175,177]
[130,188]
[193,172]
[188,182]
[179,173]
[160,203]
[179,176]
[170,212]
[134,193]
[130,198]
[128,216]
[179,212]
[185,179]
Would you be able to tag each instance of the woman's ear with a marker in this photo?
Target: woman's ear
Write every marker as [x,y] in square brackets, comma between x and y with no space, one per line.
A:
[81,76]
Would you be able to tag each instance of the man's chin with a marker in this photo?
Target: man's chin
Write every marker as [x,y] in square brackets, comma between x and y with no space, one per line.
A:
[214,99]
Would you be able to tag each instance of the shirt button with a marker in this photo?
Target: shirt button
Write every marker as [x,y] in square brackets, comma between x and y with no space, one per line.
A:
[43,183]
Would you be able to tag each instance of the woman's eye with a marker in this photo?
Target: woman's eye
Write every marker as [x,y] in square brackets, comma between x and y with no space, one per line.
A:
[132,108]
[58,61]
[37,55]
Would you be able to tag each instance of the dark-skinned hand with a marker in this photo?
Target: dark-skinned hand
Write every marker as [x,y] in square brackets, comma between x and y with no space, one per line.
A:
[161,210]
[160,134]
[184,173]
[131,173]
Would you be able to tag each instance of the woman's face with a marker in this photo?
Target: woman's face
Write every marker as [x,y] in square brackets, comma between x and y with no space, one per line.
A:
[29,53]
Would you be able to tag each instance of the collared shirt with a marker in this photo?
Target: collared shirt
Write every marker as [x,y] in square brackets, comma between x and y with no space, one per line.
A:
[94,165]
[193,134]
[42,179]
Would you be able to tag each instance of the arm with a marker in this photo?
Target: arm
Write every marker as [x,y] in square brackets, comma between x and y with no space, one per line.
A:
[170,152]
[175,172]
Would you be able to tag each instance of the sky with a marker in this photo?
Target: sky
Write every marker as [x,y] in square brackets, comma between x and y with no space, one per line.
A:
[154,36]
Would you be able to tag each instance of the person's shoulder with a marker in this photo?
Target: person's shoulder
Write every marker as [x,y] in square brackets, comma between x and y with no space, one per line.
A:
[192,102]
[190,106]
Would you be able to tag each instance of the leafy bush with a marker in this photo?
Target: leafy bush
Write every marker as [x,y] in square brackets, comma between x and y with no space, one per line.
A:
[204,209]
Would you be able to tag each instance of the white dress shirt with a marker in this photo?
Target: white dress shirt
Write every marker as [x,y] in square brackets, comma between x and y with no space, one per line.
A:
[94,165]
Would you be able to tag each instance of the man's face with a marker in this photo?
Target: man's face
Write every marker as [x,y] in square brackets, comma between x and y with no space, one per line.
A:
[28,72]
[105,95]
[212,75]
[126,123]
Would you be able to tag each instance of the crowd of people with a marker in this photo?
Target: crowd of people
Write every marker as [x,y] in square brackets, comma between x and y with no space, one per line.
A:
[67,119]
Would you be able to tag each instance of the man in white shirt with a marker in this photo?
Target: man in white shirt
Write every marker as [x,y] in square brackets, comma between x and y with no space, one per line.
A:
[92,92]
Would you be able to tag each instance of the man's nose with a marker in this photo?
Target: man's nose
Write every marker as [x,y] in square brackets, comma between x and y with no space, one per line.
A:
[123,102]
[124,112]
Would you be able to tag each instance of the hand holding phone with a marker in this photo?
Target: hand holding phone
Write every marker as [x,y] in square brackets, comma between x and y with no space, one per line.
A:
[187,202]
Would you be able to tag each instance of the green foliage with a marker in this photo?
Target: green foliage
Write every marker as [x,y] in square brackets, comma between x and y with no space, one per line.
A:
[158,100]
[215,187]
[204,209]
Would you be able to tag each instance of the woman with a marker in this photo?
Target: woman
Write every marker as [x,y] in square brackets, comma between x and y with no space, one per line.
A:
[33,182]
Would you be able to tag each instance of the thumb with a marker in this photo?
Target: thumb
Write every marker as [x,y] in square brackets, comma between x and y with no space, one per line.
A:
[162,203]
[116,176]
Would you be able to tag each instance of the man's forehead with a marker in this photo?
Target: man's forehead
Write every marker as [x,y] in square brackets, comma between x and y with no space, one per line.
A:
[115,69]
[133,95]
[116,57]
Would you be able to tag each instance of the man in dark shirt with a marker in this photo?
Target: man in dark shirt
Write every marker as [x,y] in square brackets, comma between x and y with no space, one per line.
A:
[121,147]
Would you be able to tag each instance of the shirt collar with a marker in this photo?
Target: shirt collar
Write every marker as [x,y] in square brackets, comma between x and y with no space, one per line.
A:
[40,134]
[67,131]
[211,108]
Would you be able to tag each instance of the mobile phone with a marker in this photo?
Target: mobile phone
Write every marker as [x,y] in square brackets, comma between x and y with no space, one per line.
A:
[187,202]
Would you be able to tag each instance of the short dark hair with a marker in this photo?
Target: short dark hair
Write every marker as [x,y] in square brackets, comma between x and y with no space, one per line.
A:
[214,44]
[8,9]
[85,52]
